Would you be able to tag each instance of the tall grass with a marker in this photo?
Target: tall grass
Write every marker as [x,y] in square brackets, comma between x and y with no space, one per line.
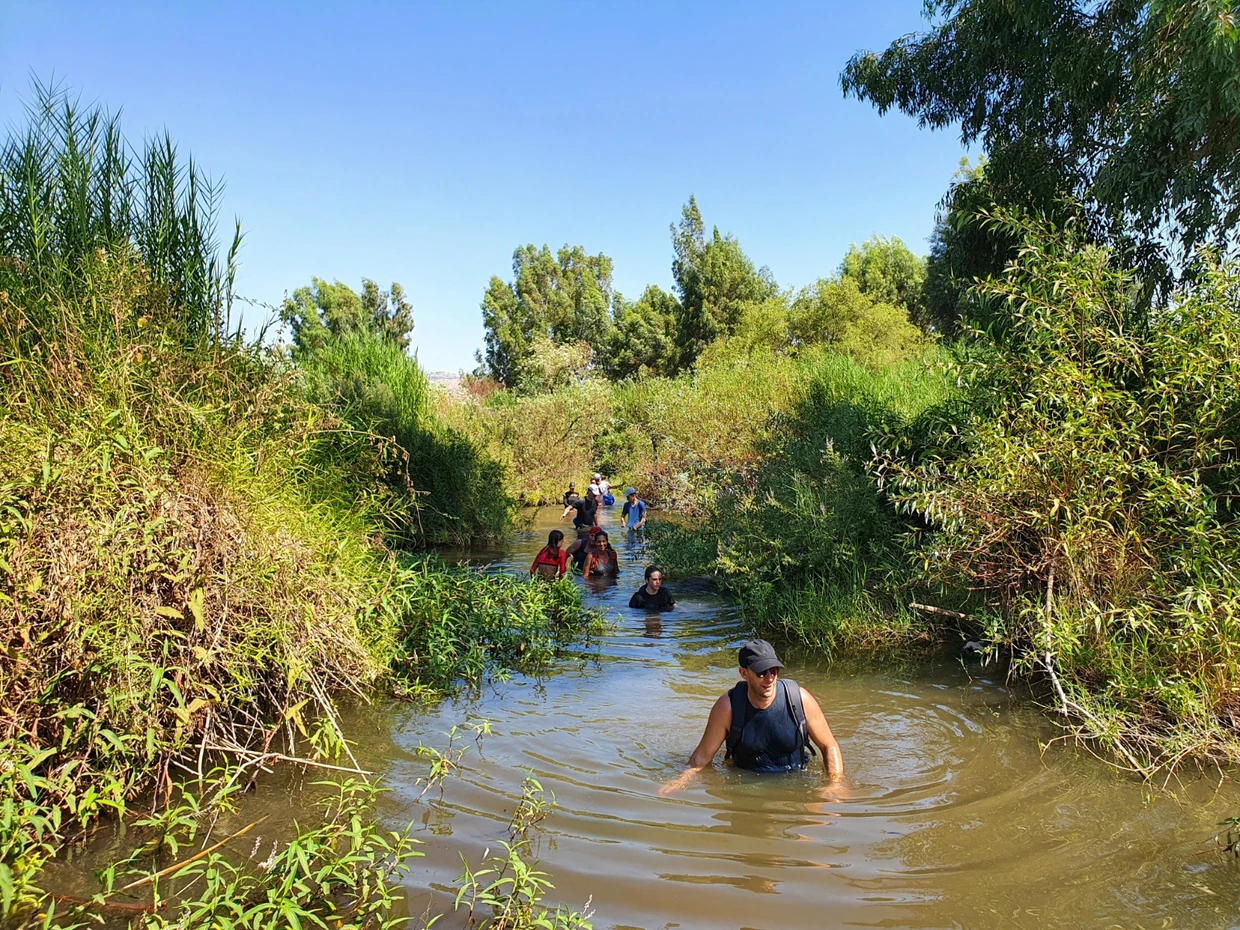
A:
[70,184]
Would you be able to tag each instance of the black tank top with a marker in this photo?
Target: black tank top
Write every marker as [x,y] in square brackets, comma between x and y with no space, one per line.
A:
[769,739]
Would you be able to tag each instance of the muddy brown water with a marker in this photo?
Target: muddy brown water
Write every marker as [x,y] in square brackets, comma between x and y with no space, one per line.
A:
[957,812]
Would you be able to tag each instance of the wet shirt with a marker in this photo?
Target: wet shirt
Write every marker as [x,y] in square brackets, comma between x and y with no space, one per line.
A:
[550,563]
[632,513]
[769,739]
[585,512]
[644,600]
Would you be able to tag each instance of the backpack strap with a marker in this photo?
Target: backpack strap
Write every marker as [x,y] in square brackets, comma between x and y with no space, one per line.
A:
[740,700]
[792,692]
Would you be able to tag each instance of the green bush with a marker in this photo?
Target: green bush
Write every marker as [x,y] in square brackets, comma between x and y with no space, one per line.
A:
[1090,495]
[448,490]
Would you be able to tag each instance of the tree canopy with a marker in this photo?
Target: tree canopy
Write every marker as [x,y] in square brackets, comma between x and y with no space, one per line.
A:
[1130,106]
[715,281]
[321,310]
[562,297]
[888,272]
[643,341]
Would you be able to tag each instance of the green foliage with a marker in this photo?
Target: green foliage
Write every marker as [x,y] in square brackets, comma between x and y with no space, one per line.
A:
[886,271]
[965,249]
[70,186]
[1129,105]
[839,314]
[441,487]
[321,311]
[1090,494]
[563,298]
[510,888]
[716,283]
[447,626]
[643,340]
[341,873]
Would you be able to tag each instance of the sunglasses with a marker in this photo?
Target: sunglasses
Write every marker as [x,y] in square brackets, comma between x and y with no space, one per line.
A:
[769,673]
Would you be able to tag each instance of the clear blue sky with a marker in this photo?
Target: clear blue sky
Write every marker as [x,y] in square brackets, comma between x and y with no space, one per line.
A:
[421,143]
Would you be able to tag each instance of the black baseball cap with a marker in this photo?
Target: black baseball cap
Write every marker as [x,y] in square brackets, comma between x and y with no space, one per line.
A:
[758,656]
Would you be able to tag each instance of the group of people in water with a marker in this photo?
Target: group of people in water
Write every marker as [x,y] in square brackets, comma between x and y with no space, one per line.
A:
[768,723]
[592,554]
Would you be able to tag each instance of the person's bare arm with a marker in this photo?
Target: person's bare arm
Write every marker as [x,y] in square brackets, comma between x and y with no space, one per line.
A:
[824,739]
[717,726]
[567,510]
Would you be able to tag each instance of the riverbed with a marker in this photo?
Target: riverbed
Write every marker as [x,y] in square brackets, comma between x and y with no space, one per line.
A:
[961,807]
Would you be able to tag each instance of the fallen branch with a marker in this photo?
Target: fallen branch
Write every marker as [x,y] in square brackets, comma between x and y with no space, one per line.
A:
[938,611]
[260,758]
[172,869]
[121,906]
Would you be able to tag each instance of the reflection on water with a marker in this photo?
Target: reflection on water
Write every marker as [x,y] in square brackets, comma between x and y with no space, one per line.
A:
[954,814]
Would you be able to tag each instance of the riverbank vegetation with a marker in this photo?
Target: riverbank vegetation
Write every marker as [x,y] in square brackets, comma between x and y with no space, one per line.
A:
[1027,440]
[204,546]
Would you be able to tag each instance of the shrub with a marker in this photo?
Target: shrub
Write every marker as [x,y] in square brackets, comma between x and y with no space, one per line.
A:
[1090,495]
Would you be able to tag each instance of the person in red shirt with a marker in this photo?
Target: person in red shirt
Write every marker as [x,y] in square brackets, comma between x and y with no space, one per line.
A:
[551,561]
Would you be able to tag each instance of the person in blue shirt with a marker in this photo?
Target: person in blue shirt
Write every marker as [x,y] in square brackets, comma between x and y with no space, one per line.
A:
[634,512]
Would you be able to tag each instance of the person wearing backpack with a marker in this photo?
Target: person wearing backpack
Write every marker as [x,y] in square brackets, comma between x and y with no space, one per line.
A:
[769,723]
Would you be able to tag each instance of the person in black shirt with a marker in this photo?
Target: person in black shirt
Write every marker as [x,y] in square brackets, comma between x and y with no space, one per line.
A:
[571,496]
[587,512]
[652,595]
[768,729]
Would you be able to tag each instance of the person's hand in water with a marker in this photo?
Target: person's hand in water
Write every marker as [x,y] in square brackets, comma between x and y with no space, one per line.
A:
[834,790]
[668,788]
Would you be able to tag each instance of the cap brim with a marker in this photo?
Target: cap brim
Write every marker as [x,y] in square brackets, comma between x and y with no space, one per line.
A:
[764,665]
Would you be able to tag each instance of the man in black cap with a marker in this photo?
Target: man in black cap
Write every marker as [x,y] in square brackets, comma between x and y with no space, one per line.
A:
[767,722]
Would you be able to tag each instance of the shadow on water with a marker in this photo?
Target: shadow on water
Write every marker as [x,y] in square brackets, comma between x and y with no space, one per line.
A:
[956,813]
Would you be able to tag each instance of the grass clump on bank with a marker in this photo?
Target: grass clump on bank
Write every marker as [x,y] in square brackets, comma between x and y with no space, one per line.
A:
[443,488]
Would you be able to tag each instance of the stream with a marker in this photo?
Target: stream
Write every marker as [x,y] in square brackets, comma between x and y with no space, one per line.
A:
[963,809]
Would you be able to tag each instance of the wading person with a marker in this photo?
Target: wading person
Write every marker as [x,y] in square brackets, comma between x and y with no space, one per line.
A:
[634,511]
[600,557]
[551,561]
[652,595]
[571,496]
[767,722]
[587,511]
[580,547]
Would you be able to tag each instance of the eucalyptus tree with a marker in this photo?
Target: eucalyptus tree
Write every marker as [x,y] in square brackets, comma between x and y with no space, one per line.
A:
[564,297]
[887,271]
[715,281]
[1131,107]
[643,340]
[323,309]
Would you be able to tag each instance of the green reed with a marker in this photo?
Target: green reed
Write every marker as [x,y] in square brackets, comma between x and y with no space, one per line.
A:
[71,184]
